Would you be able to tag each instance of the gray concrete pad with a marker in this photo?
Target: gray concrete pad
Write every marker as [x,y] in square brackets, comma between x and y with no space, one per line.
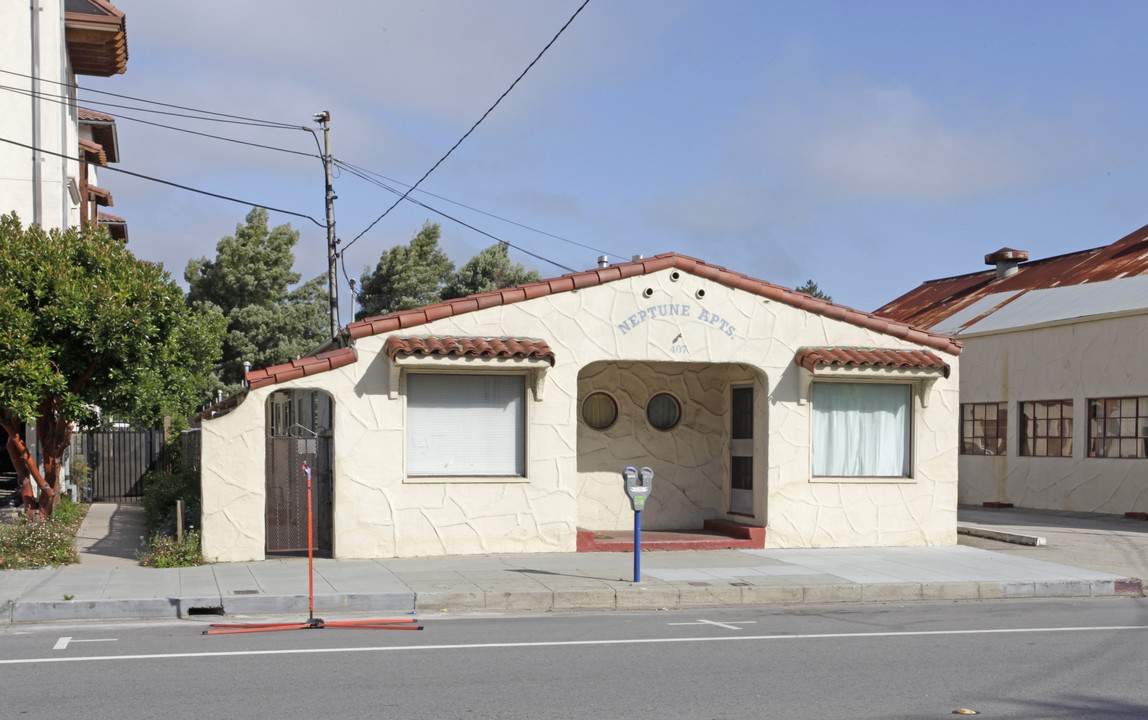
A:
[112,535]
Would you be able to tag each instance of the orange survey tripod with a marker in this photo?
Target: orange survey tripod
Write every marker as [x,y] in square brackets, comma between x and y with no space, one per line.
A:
[313,623]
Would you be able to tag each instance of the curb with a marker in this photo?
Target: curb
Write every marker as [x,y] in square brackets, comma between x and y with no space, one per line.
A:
[1001,535]
[620,597]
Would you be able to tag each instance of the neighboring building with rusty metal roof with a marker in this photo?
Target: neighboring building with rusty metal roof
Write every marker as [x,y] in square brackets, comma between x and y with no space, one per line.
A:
[501,422]
[1054,388]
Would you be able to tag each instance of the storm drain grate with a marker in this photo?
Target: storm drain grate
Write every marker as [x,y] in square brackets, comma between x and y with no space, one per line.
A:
[244,592]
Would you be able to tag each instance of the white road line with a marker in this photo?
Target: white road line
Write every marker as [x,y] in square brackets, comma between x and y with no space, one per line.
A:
[63,642]
[731,625]
[569,643]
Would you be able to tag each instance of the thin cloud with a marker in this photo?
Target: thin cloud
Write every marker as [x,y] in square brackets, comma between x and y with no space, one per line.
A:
[867,141]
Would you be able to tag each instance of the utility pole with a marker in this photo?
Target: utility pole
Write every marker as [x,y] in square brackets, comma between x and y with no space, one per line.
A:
[324,120]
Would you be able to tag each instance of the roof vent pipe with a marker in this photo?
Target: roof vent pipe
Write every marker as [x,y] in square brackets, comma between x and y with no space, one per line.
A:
[638,257]
[603,261]
[1006,261]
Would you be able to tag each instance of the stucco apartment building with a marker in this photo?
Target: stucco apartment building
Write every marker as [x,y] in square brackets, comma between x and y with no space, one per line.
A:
[501,422]
[51,149]
[1054,391]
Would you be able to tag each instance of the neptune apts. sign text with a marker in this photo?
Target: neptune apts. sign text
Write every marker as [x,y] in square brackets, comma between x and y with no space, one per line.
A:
[672,310]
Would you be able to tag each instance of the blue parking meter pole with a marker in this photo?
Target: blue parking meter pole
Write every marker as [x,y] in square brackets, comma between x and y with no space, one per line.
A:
[638,485]
[637,546]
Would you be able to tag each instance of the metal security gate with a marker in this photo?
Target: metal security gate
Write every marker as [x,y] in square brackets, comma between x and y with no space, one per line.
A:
[119,459]
[290,443]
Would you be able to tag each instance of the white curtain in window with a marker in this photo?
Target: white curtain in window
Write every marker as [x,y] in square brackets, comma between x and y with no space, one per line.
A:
[465,425]
[861,430]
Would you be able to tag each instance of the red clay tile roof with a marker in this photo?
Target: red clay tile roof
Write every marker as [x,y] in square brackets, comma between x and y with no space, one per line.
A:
[86,115]
[598,276]
[935,300]
[475,347]
[303,367]
[812,358]
[117,226]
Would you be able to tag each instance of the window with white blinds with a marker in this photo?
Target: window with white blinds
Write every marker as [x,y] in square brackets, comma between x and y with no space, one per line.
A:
[466,425]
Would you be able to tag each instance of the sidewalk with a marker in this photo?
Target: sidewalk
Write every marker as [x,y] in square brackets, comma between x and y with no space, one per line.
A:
[567,581]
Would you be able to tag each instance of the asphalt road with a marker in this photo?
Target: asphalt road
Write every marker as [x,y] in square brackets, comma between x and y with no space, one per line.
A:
[1005,659]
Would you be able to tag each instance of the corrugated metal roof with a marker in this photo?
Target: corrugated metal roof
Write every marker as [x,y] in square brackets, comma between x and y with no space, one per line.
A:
[936,303]
[956,322]
[1065,303]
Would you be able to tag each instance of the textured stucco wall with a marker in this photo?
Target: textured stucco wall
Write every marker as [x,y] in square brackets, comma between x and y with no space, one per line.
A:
[690,461]
[1077,361]
[645,333]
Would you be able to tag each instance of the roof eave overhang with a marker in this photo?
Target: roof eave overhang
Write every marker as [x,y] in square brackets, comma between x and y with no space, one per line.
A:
[97,43]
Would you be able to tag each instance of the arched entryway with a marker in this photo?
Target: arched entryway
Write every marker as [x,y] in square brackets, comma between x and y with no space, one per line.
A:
[700,426]
[300,429]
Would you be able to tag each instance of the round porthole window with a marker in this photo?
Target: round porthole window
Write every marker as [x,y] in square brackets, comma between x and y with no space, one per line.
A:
[599,410]
[663,411]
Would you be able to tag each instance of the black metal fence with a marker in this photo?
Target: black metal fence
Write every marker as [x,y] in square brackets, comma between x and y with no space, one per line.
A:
[118,459]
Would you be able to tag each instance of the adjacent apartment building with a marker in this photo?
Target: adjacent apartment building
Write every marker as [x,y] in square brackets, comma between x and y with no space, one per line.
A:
[51,149]
[1054,393]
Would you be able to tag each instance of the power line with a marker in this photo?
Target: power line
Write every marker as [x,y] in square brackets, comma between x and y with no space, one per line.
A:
[275,126]
[352,168]
[119,116]
[166,182]
[464,224]
[73,86]
[476,124]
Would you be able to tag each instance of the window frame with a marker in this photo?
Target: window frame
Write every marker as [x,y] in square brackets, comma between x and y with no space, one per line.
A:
[1044,439]
[1139,423]
[582,410]
[911,392]
[523,420]
[999,424]
[677,403]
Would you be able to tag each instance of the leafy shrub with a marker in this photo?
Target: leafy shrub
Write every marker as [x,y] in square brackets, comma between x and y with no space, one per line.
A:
[31,544]
[160,492]
[163,551]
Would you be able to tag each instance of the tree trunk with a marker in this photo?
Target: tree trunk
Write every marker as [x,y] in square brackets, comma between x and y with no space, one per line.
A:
[27,471]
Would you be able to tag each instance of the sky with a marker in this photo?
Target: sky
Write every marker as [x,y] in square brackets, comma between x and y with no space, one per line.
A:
[869,146]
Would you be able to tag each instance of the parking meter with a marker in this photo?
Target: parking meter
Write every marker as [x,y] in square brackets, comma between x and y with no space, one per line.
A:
[638,485]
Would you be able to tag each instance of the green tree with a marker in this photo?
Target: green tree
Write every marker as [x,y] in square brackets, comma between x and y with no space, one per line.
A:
[87,328]
[810,288]
[489,270]
[249,281]
[406,276]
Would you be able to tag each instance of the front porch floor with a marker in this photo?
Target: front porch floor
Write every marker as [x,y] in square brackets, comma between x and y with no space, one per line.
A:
[717,535]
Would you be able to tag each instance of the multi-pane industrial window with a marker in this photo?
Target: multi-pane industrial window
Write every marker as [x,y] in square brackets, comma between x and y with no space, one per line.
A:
[1118,427]
[1046,428]
[984,427]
